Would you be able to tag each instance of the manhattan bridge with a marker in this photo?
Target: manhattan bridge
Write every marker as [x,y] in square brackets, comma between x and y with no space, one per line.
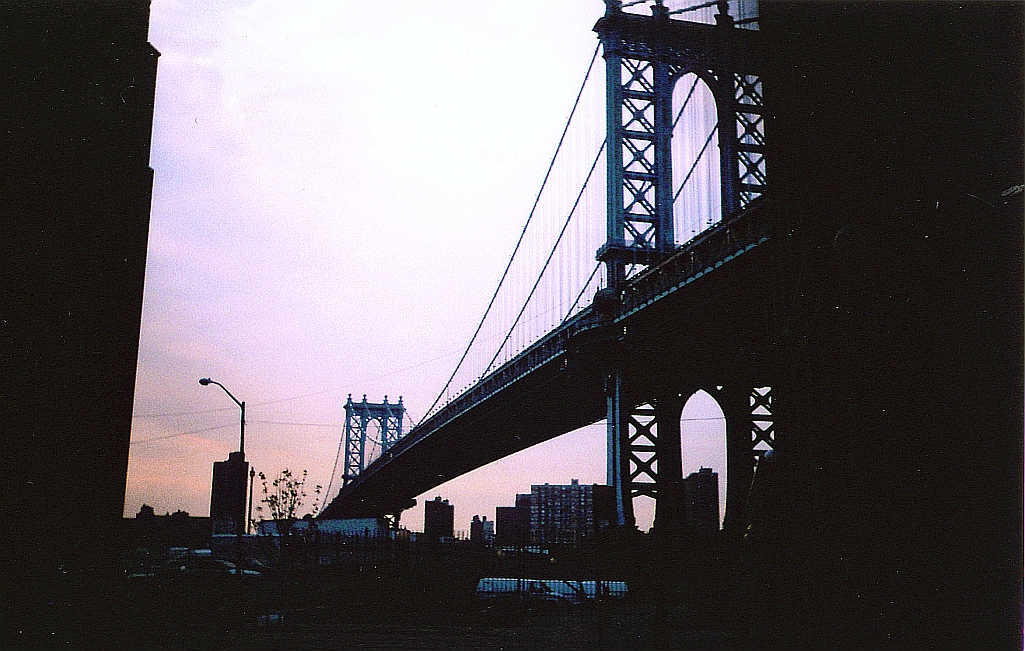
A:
[635,218]
[811,212]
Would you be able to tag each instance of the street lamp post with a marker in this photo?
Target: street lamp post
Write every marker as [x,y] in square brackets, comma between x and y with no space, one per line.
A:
[242,405]
[242,454]
[249,518]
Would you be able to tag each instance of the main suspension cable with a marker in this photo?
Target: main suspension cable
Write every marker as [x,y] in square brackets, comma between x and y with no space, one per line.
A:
[587,283]
[690,93]
[696,160]
[523,232]
[547,261]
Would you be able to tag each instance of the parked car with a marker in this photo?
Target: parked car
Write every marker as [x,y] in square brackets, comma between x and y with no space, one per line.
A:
[194,566]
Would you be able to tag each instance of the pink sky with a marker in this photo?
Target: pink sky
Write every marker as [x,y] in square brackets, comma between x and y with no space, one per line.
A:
[337,188]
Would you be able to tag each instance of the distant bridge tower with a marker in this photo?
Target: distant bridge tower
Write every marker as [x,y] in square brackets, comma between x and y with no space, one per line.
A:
[359,417]
[644,58]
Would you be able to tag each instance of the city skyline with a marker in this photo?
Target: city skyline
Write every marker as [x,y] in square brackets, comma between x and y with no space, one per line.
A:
[321,172]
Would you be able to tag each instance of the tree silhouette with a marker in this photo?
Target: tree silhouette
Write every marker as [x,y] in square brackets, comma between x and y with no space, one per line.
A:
[285,494]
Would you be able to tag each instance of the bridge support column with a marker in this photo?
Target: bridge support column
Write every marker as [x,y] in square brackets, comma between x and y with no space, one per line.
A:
[750,434]
[670,503]
[644,454]
[733,400]
[618,432]
[358,418]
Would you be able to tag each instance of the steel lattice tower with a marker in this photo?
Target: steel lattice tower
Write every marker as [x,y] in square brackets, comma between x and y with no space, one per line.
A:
[359,416]
[644,58]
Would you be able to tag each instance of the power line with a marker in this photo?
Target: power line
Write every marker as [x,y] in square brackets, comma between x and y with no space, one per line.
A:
[172,436]
[305,395]
[210,429]
[183,413]
[277,422]
[377,377]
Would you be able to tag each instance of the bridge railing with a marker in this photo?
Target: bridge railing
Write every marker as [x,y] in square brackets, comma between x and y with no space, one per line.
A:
[536,355]
[711,249]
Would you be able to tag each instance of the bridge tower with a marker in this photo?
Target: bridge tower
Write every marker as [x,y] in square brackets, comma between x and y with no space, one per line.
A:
[644,58]
[359,416]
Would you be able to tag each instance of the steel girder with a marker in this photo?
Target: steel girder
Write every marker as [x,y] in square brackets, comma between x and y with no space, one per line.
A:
[644,57]
[750,443]
[358,418]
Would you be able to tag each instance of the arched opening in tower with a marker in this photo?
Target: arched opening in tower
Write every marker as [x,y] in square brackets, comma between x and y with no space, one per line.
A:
[703,451]
[697,193]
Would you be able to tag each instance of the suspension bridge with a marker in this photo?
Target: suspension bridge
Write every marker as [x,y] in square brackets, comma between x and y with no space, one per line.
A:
[619,286]
[797,211]
[812,211]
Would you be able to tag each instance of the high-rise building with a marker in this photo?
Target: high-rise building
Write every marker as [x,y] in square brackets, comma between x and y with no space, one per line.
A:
[482,532]
[512,523]
[702,494]
[79,81]
[228,494]
[569,514]
[523,501]
[439,519]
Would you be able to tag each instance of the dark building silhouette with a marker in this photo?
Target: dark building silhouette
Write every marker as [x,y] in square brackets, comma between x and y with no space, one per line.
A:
[158,533]
[439,519]
[75,184]
[523,500]
[512,523]
[561,514]
[701,489]
[228,494]
[482,532]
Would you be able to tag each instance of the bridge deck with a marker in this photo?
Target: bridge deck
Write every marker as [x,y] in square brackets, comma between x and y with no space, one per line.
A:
[553,387]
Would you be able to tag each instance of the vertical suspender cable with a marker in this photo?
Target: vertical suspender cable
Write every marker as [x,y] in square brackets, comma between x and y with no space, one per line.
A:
[696,160]
[583,289]
[487,311]
[552,253]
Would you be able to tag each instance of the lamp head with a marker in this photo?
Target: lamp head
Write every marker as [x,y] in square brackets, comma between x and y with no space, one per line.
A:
[204,381]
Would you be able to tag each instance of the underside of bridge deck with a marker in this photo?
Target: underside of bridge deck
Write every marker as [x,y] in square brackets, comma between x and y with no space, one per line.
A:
[703,336]
[885,312]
